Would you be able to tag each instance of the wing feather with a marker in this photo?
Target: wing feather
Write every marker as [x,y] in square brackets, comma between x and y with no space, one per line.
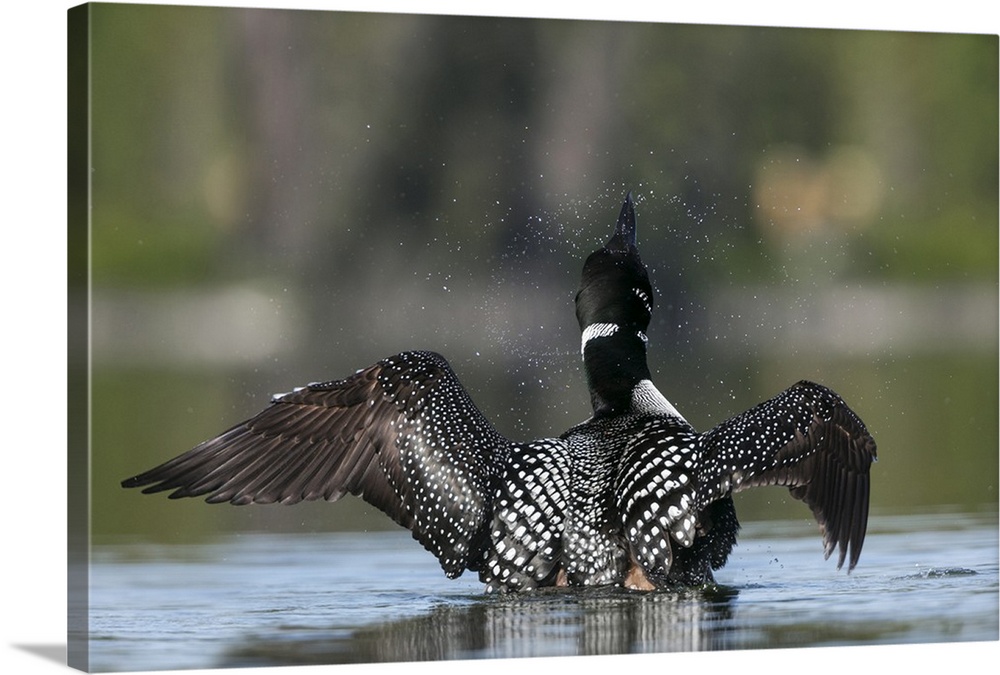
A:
[807,439]
[402,434]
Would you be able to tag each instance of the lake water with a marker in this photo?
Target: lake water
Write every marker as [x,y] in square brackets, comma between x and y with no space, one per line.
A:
[273,600]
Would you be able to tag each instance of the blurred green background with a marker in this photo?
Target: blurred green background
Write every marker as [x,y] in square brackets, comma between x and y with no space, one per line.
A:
[281,196]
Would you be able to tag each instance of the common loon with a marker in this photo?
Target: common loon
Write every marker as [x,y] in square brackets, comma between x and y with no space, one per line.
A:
[633,496]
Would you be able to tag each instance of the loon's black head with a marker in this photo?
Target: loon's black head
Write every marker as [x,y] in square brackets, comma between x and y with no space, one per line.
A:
[614,306]
[614,287]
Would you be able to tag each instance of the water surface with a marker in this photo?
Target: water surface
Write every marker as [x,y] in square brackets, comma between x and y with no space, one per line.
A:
[270,599]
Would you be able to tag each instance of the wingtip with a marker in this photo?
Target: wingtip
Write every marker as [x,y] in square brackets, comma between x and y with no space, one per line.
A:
[131,482]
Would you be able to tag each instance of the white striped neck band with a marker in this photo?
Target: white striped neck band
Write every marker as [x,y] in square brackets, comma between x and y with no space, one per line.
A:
[602,330]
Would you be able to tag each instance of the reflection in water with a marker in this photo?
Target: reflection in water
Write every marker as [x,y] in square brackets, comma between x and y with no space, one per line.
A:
[553,622]
[270,600]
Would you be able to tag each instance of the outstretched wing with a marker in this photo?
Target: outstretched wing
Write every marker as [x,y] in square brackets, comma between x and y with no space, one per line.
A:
[402,434]
[807,439]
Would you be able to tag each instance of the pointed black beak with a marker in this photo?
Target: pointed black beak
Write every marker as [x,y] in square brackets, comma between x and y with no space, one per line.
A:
[624,236]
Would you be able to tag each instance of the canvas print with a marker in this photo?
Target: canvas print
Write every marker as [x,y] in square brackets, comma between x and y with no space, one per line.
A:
[409,337]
